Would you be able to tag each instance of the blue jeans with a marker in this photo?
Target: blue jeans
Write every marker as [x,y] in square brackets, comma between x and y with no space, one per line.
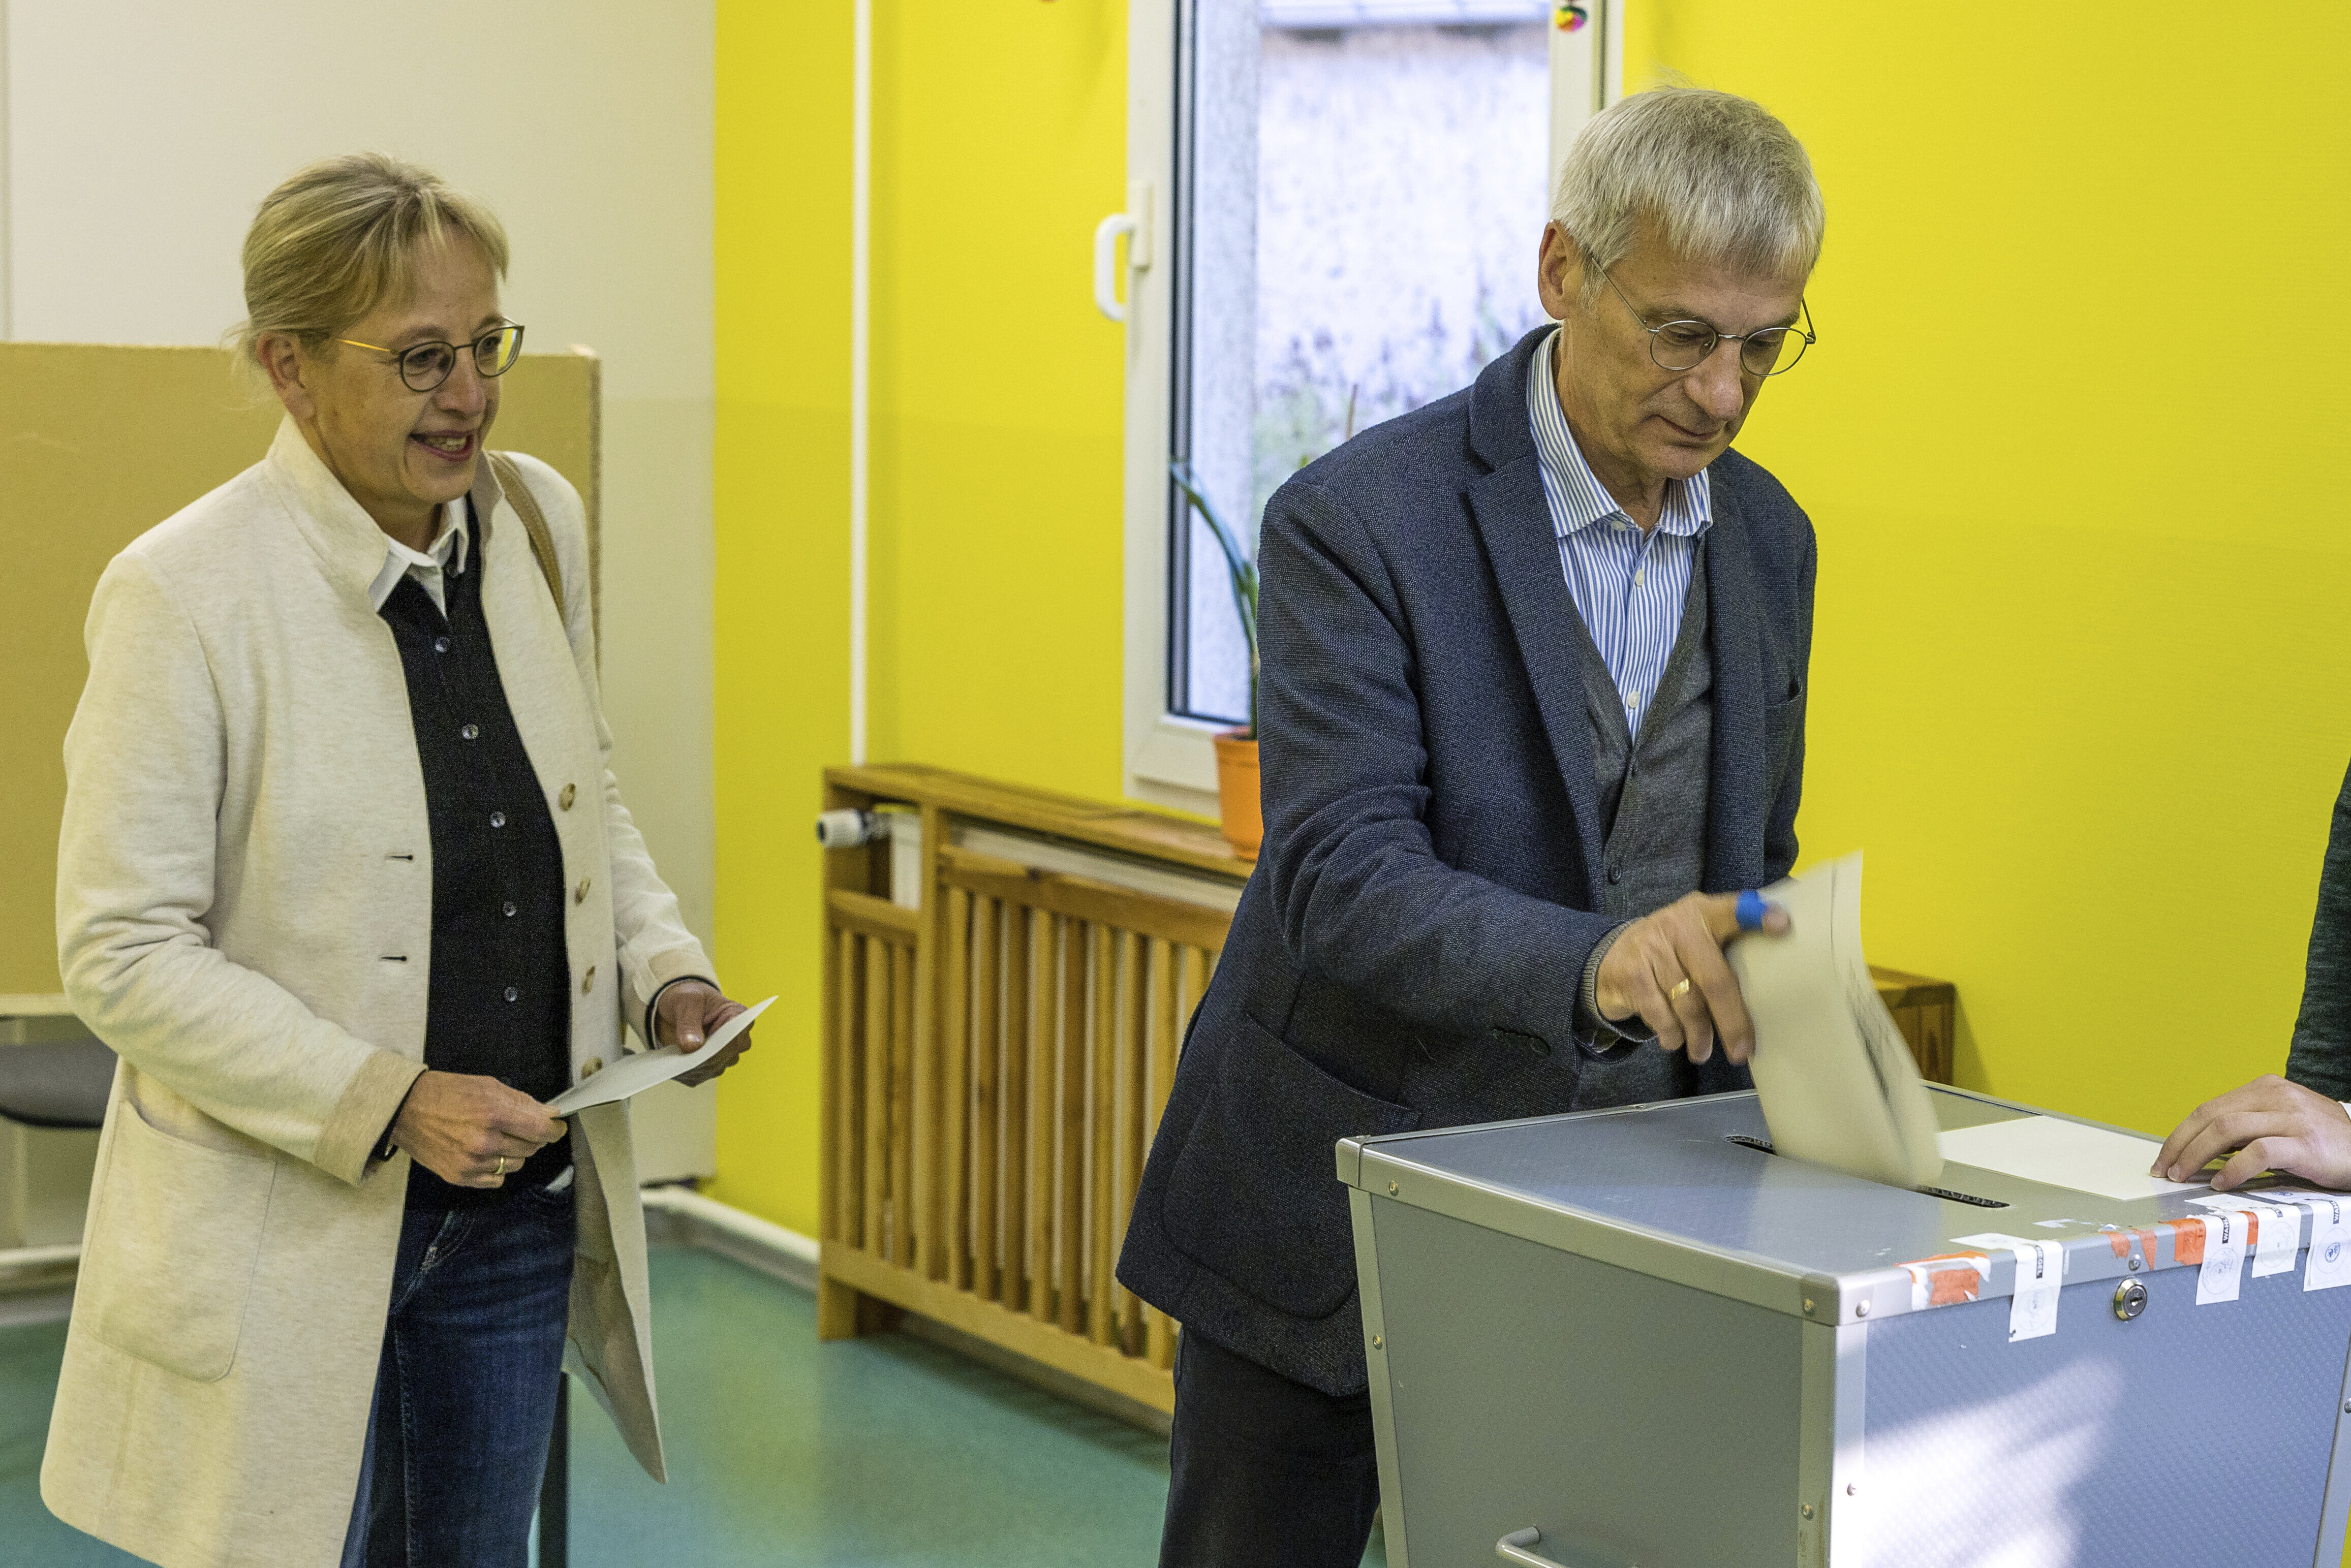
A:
[465,1395]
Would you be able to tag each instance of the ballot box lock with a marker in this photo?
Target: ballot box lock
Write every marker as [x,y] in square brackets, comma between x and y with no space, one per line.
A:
[2130,1300]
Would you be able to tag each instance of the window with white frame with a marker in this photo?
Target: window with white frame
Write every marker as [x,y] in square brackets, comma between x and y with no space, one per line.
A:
[1349,195]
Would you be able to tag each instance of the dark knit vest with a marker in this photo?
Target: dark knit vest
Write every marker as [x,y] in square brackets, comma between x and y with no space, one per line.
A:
[1653,801]
[500,1000]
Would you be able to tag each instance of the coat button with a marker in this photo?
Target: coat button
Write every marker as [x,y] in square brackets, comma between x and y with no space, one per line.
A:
[497,819]
[592,1066]
[571,793]
[588,981]
[580,894]
[513,994]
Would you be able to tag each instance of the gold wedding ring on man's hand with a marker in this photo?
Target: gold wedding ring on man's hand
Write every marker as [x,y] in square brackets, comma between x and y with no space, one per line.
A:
[501,1171]
[1681,990]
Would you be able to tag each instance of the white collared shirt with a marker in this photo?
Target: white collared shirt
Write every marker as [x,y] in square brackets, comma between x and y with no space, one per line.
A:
[427,567]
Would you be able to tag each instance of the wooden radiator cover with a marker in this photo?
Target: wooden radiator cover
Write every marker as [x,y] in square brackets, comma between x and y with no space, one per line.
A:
[996,1056]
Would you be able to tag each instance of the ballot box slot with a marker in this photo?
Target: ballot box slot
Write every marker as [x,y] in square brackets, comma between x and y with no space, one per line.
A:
[1763,1146]
[1961,1197]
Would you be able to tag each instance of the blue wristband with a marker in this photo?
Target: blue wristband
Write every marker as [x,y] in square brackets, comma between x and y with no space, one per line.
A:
[1751,909]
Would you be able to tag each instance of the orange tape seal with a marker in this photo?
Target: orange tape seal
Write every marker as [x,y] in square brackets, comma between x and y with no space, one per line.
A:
[1948,1279]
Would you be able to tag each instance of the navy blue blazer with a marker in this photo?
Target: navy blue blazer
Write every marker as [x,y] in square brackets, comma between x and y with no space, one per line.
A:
[1408,952]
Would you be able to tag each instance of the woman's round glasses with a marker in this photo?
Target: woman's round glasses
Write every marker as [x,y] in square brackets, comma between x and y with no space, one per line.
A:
[424,366]
[1684,345]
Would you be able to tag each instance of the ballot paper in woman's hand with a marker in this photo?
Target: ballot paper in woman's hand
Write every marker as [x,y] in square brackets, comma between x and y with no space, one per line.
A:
[1835,1078]
[639,1071]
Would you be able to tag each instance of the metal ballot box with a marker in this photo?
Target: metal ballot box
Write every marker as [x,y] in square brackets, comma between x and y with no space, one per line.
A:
[1639,1339]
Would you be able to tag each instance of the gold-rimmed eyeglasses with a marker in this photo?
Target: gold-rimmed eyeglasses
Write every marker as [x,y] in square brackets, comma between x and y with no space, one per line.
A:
[424,366]
[1684,345]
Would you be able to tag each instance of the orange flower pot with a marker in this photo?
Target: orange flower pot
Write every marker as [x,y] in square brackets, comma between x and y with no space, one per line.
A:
[1242,818]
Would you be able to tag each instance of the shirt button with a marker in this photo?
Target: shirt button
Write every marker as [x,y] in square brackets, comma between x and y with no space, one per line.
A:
[580,894]
[497,819]
[513,994]
[510,909]
[440,644]
[1633,700]
[570,792]
[1639,578]
[472,732]
[588,981]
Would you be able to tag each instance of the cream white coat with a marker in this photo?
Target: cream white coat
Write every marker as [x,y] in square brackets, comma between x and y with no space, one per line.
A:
[244,914]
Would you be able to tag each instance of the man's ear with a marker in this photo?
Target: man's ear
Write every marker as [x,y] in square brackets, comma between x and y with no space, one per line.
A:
[1559,271]
[280,356]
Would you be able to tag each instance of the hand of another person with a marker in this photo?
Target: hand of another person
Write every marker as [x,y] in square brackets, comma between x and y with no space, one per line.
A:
[2274,1125]
[1669,968]
[689,1010]
[472,1131]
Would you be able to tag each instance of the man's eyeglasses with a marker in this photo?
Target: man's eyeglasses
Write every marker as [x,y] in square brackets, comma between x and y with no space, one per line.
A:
[1684,345]
[424,366]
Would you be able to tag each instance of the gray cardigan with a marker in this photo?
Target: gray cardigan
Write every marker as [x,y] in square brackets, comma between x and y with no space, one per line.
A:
[2321,1058]
[1409,950]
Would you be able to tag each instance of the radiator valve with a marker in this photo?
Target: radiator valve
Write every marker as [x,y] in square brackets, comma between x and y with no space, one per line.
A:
[846,829]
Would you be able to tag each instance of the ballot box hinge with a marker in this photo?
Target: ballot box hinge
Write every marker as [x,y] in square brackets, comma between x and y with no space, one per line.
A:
[2332,1516]
[1832,1388]
[1375,1346]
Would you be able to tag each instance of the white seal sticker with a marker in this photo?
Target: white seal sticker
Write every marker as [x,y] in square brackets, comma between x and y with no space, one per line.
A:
[2224,1257]
[2040,1276]
[2277,1242]
[2329,1263]
[2277,1228]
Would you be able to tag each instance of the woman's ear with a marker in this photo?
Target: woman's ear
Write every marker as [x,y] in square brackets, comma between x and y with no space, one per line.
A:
[281,356]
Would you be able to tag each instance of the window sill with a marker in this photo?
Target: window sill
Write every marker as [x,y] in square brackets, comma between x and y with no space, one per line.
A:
[1174,763]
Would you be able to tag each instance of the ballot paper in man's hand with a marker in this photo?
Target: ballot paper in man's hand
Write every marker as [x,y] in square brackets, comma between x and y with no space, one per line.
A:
[1835,1078]
[639,1071]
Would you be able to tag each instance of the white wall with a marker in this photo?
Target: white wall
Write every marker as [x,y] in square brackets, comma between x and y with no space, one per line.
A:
[142,135]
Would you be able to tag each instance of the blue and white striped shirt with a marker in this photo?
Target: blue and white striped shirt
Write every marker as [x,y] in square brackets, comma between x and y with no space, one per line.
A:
[1628,586]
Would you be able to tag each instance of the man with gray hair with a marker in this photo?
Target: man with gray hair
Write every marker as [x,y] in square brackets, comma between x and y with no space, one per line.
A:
[1534,667]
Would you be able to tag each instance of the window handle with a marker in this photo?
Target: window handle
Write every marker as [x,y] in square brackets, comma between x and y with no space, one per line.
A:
[1135,224]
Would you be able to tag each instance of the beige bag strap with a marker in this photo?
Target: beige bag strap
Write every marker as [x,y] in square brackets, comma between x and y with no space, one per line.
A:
[534,523]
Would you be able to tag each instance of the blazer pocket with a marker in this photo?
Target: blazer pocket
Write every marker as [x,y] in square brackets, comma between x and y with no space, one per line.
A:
[172,1247]
[1255,1196]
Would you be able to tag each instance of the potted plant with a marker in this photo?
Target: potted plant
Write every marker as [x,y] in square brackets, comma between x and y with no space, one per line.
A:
[1241,816]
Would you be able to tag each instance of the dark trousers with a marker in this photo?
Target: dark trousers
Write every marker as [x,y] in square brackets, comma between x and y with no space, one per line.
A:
[465,1395]
[1264,1470]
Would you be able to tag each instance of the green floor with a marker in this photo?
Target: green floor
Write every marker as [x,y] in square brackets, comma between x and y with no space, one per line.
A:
[781,1451]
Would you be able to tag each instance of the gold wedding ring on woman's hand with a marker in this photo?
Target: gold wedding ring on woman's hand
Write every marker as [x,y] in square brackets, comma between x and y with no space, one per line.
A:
[1681,990]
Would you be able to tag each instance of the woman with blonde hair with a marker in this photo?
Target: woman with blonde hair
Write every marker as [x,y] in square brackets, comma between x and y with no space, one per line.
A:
[345,881]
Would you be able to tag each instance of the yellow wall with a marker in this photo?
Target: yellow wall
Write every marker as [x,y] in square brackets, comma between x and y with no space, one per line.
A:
[780,489]
[999,138]
[2079,676]
[2079,673]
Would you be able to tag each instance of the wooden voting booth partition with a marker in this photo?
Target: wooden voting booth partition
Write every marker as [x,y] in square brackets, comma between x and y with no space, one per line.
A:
[1007,978]
[98,442]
